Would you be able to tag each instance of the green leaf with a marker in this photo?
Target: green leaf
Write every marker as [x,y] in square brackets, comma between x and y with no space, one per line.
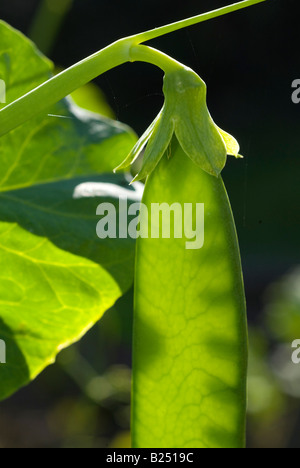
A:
[190,340]
[56,148]
[57,278]
[92,98]
[64,143]
[22,66]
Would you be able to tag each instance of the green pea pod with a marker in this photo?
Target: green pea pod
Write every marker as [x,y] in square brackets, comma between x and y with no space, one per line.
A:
[190,332]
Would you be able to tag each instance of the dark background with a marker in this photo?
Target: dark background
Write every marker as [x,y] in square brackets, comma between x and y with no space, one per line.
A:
[248,60]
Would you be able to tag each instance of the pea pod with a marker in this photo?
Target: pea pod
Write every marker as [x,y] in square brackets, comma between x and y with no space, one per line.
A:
[190,338]
[190,344]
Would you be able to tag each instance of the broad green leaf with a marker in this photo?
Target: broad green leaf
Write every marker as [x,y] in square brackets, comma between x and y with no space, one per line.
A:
[190,340]
[66,142]
[57,278]
[92,98]
[22,66]
[55,148]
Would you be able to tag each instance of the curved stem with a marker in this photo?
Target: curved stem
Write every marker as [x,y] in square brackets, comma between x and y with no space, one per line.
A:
[44,96]
[125,50]
[142,53]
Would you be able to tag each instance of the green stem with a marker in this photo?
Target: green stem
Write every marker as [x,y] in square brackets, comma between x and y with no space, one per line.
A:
[157,32]
[141,53]
[44,96]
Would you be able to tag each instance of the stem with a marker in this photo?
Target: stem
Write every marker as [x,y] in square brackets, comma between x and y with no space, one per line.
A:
[141,53]
[157,32]
[44,96]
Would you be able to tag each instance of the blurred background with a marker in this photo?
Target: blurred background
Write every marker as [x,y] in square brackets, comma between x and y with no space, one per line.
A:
[249,60]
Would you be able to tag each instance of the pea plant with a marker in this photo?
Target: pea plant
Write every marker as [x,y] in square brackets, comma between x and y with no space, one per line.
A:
[58,277]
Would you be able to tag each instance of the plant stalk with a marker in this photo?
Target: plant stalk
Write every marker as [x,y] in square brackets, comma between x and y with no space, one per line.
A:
[40,99]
